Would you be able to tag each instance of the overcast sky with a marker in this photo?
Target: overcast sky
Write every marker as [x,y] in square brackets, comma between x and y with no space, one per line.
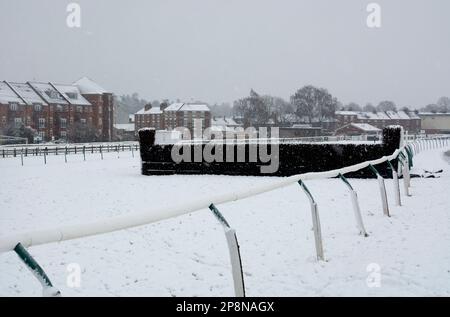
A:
[217,50]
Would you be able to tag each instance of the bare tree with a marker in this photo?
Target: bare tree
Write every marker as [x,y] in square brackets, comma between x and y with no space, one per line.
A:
[312,102]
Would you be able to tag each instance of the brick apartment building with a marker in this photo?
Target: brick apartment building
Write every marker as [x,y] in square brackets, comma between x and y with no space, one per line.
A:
[52,109]
[410,121]
[175,115]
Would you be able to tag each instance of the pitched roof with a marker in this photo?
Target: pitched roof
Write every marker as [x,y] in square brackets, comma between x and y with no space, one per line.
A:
[48,93]
[174,107]
[88,86]
[152,110]
[178,106]
[8,95]
[72,94]
[365,127]
[27,93]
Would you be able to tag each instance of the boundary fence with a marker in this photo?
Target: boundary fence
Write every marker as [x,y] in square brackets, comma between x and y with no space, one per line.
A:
[53,149]
[404,155]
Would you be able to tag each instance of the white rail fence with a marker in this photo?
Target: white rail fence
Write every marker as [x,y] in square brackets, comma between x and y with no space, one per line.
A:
[19,242]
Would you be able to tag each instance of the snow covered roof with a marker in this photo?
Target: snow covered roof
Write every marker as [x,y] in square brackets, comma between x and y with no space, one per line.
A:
[48,93]
[72,94]
[194,107]
[88,86]
[365,127]
[413,115]
[380,115]
[178,106]
[8,95]
[129,127]
[152,110]
[27,93]
[174,107]
[347,113]
[433,114]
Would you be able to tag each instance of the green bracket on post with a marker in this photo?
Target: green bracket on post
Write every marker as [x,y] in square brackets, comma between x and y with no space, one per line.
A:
[391,167]
[345,180]
[219,216]
[235,254]
[374,170]
[35,268]
[308,193]
[410,156]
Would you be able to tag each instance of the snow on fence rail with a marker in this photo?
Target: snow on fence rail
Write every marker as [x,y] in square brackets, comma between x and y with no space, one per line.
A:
[67,150]
[404,154]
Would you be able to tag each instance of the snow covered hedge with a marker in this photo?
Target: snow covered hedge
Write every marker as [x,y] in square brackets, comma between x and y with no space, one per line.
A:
[293,158]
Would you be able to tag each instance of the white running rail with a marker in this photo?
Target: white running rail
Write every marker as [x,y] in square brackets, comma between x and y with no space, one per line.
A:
[58,234]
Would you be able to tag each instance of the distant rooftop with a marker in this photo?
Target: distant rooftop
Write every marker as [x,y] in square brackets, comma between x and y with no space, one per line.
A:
[178,106]
[88,86]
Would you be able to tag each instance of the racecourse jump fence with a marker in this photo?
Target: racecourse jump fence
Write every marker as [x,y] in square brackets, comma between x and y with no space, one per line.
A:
[404,156]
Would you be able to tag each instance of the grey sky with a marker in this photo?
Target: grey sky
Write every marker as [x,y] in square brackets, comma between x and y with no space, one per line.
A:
[216,50]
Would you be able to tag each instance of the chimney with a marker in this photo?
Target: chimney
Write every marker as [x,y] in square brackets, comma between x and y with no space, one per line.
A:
[163,106]
[148,106]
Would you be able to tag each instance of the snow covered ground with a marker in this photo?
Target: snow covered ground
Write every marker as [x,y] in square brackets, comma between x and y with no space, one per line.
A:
[187,255]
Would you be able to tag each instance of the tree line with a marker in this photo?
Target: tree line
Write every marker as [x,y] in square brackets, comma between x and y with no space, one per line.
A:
[311,104]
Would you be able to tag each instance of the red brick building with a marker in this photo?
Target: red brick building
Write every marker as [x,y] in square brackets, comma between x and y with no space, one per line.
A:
[176,115]
[53,109]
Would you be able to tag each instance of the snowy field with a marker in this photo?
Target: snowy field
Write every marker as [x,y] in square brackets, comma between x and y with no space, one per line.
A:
[187,255]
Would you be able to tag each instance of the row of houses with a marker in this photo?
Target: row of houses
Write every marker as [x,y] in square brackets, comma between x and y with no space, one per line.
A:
[53,109]
[168,117]
[410,121]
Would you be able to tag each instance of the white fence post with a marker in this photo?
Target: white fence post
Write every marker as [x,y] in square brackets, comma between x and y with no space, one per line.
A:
[383,194]
[315,221]
[235,255]
[356,208]
[398,201]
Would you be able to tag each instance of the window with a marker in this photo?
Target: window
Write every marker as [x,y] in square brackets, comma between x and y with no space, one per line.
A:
[37,107]
[4,120]
[42,134]
[63,134]
[83,121]
[41,123]
[72,95]
[79,109]
[63,123]
[18,122]
[59,108]
[13,106]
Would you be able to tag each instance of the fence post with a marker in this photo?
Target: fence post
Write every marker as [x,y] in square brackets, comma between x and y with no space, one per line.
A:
[101,151]
[84,153]
[45,156]
[132,150]
[405,171]
[316,222]
[65,155]
[382,186]
[21,156]
[398,201]
[38,272]
[235,256]
[356,208]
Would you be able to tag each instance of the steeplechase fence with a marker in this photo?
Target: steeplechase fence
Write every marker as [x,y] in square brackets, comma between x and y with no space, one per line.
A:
[403,156]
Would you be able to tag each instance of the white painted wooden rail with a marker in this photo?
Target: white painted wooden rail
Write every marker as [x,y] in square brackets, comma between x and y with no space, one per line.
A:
[38,237]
